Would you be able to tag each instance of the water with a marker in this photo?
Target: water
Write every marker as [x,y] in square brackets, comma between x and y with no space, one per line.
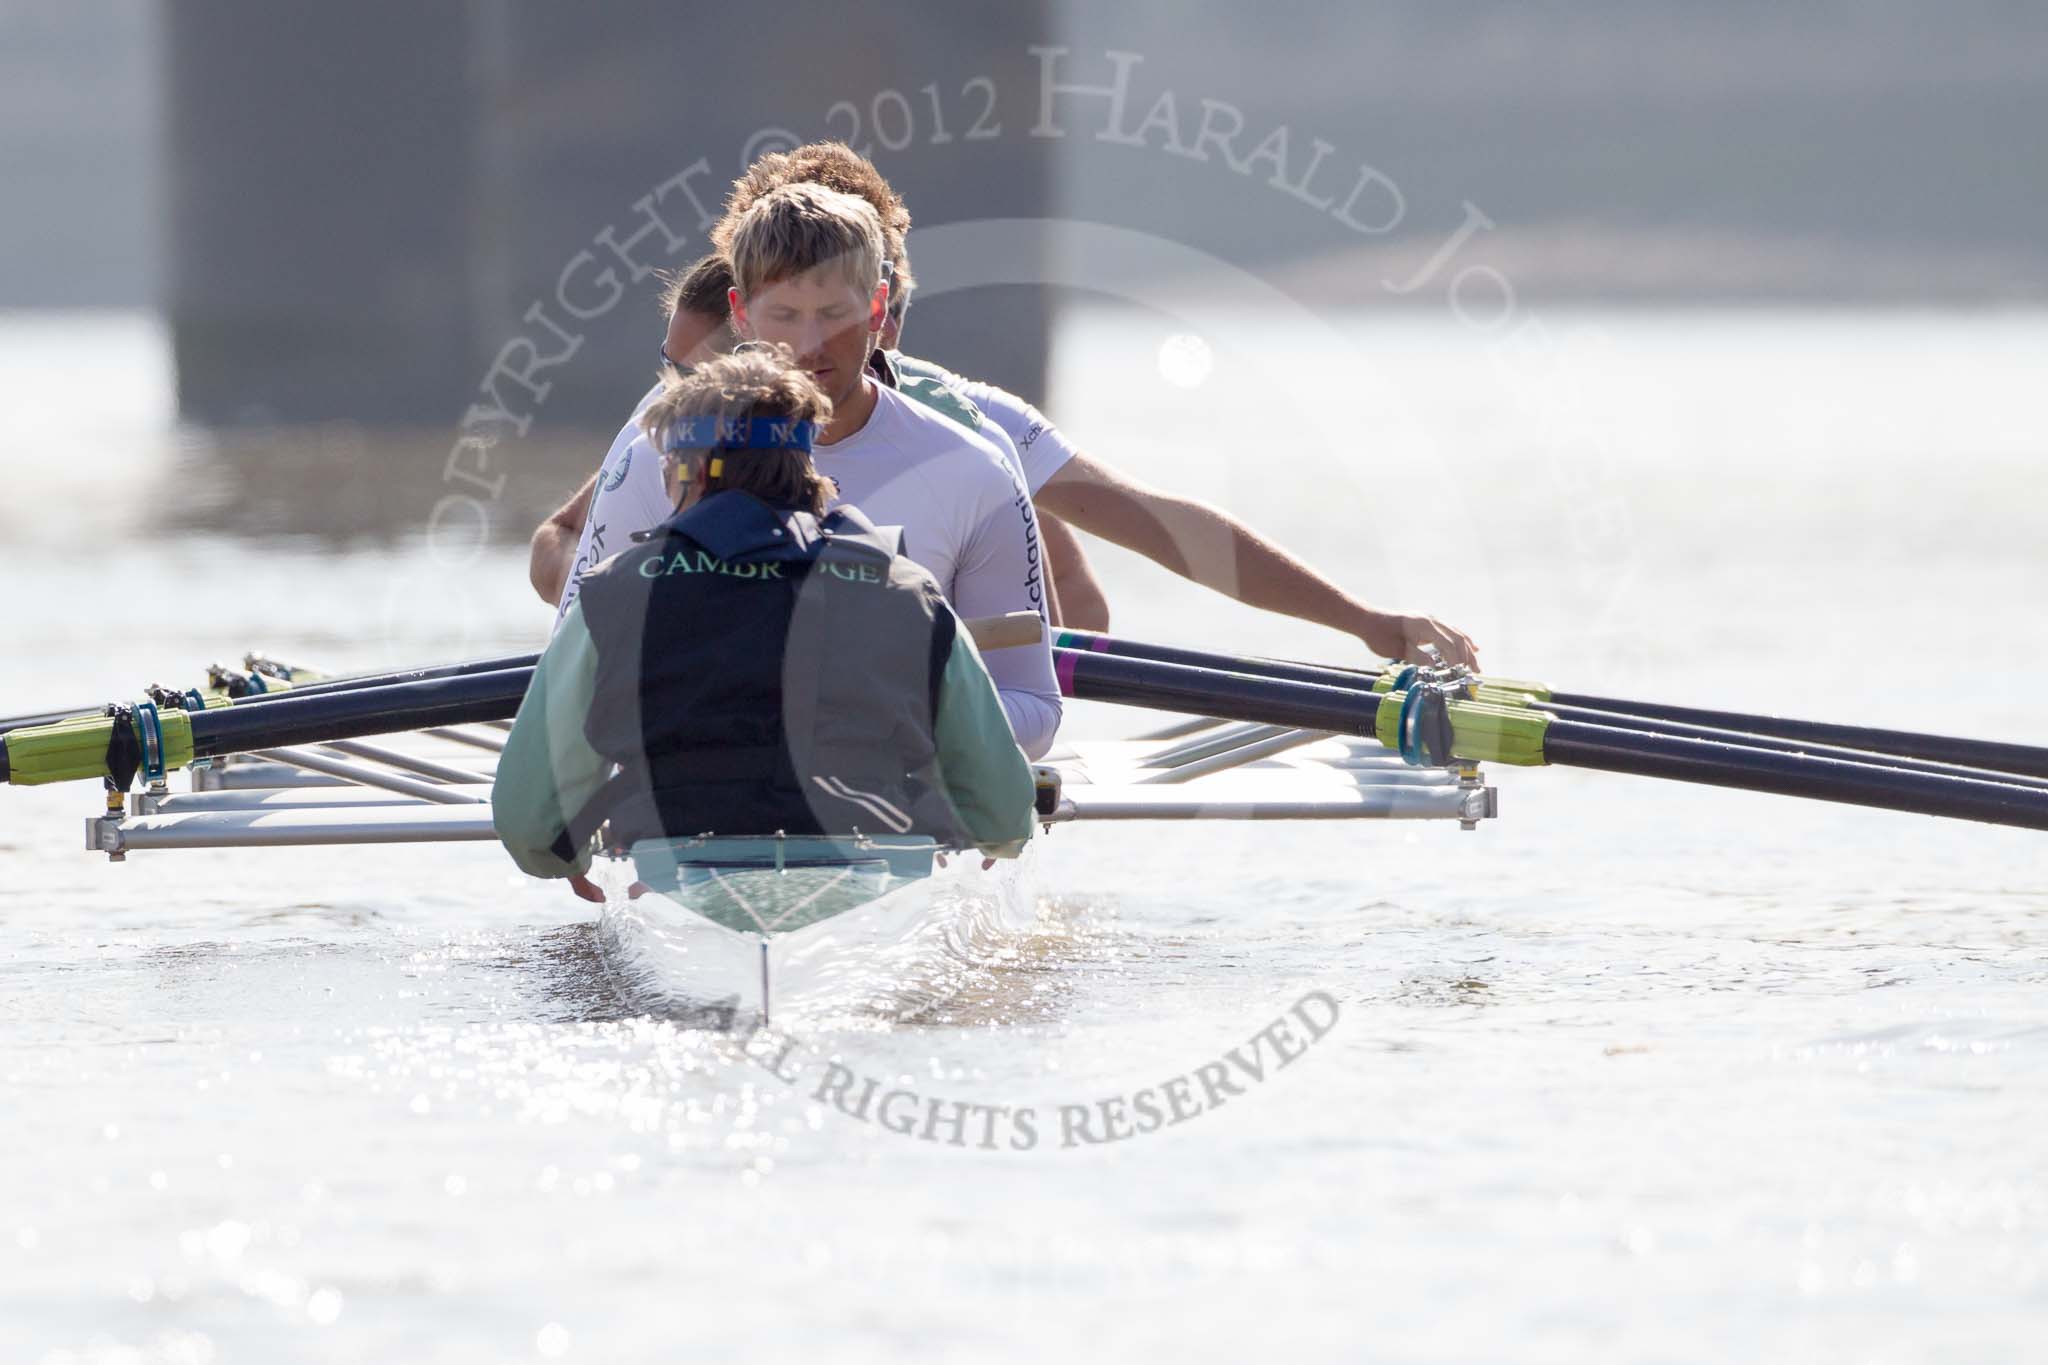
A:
[1635,1072]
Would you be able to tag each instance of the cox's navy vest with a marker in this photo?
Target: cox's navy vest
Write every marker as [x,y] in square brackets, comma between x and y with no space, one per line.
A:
[761,670]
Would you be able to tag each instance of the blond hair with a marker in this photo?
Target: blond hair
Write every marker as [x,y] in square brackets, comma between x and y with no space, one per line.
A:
[800,228]
[836,166]
[757,381]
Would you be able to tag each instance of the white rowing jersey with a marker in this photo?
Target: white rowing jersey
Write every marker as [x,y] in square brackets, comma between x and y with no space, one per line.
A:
[1041,447]
[629,497]
[965,514]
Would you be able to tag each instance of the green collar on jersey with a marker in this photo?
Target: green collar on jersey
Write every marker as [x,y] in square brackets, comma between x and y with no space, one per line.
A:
[927,383]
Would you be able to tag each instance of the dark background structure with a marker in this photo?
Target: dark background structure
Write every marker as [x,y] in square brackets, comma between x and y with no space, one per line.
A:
[346,210]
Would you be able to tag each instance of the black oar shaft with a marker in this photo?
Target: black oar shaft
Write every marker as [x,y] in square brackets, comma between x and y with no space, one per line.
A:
[407,675]
[1093,643]
[353,683]
[355,712]
[1968,753]
[1656,726]
[1579,745]
[1214,692]
[1947,753]
[1103,676]
[1580,709]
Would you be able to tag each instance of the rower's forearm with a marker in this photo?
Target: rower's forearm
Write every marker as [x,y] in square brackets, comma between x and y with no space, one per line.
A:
[1208,546]
[549,559]
[552,553]
[1076,596]
[1271,579]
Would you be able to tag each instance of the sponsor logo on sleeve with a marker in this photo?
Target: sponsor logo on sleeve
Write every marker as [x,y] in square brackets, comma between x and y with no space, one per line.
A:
[618,476]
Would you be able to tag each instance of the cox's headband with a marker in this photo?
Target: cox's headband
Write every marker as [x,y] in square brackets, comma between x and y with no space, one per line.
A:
[739,433]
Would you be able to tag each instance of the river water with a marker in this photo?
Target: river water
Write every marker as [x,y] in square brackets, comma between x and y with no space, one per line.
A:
[1634,1072]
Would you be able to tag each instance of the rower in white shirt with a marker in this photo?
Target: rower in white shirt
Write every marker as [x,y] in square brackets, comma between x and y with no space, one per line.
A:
[1069,487]
[1072,488]
[626,495]
[807,274]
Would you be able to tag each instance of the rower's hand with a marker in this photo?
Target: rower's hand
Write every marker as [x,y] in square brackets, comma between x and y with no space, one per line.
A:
[586,889]
[1393,635]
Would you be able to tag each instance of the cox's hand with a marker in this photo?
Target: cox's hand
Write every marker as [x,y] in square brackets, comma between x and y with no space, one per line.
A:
[986,863]
[586,889]
[1400,637]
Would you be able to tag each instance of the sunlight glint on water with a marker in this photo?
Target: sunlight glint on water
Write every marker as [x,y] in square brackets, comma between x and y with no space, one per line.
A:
[1637,1069]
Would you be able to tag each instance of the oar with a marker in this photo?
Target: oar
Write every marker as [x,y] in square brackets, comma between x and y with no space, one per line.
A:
[282,689]
[989,632]
[1942,754]
[330,686]
[154,741]
[36,718]
[1481,732]
[93,745]
[1994,755]
[1520,694]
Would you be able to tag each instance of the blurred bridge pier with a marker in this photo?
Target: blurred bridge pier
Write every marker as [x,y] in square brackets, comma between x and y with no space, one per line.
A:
[369,200]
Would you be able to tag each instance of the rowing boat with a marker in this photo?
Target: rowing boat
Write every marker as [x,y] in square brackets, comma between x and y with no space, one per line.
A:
[711,929]
[731,927]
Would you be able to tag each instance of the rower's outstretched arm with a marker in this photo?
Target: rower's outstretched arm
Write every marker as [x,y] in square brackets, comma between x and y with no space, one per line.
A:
[1215,549]
[553,549]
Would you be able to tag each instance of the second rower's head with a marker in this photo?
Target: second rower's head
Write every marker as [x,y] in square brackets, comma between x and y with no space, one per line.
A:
[743,421]
[699,316]
[807,274]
